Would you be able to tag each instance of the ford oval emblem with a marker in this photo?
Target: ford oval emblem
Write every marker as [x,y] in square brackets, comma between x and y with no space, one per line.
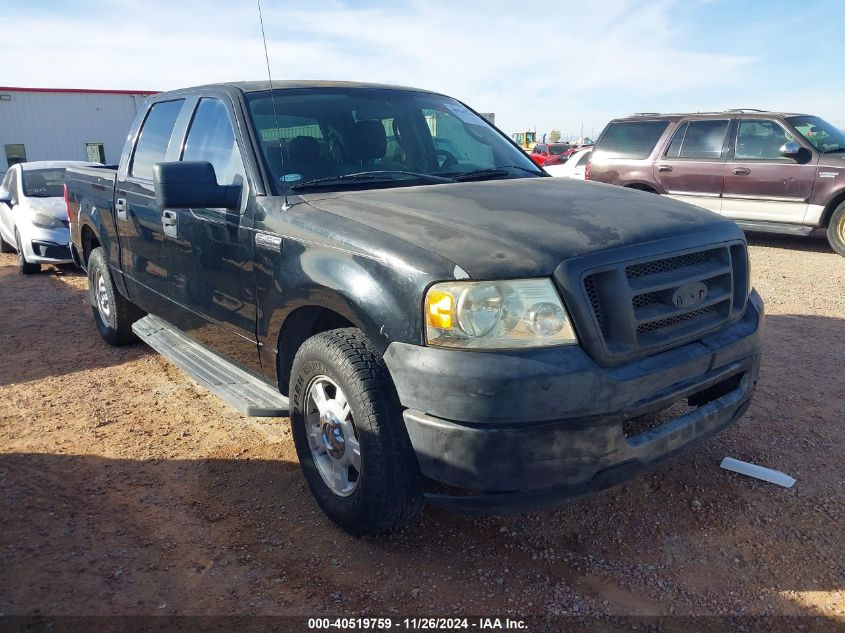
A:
[689,295]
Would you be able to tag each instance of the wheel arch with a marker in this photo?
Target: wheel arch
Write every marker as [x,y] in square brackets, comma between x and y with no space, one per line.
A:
[831,206]
[641,186]
[301,324]
[89,240]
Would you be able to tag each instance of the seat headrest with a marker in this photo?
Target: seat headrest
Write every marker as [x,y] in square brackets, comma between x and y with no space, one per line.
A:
[304,149]
[36,181]
[370,140]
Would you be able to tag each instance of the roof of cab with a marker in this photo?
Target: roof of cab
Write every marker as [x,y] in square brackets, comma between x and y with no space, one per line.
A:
[262,85]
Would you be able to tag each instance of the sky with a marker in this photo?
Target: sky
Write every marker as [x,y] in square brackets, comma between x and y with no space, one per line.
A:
[547,65]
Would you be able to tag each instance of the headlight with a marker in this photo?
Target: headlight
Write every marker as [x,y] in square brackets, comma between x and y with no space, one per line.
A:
[46,221]
[496,315]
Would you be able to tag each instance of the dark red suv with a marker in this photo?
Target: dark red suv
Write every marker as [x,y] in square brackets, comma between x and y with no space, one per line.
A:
[769,171]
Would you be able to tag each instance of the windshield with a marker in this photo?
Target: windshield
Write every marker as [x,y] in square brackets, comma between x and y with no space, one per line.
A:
[554,150]
[821,134]
[391,137]
[43,183]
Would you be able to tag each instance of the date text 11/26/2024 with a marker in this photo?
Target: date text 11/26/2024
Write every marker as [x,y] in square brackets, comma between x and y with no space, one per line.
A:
[416,624]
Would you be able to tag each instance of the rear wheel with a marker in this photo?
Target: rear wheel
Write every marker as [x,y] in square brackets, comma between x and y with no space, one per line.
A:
[836,230]
[5,247]
[347,426]
[114,314]
[24,266]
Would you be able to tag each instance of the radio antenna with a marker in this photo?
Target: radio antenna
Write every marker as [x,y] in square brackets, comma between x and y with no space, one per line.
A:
[284,180]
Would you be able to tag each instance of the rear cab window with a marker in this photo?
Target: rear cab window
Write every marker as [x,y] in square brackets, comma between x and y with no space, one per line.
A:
[631,139]
[154,138]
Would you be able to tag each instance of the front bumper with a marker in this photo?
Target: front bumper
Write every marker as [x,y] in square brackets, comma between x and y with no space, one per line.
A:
[526,429]
[46,246]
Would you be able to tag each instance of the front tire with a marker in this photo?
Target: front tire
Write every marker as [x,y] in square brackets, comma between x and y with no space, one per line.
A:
[836,230]
[114,314]
[347,426]
[24,266]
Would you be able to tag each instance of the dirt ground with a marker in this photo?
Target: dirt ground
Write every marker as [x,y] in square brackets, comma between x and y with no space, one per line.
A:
[127,489]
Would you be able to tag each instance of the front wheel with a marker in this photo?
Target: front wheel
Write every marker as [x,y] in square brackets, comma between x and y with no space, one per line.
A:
[114,314]
[349,434]
[24,266]
[836,230]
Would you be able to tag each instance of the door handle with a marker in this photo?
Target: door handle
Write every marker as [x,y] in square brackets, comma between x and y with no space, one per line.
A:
[664,168]
[168,223]
[120,208]
[742,171]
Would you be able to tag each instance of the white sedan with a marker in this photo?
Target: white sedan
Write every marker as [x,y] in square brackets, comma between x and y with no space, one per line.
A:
[574,167]
[33,215]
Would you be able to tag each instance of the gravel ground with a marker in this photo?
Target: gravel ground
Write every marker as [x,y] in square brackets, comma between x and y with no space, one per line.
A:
[127,489]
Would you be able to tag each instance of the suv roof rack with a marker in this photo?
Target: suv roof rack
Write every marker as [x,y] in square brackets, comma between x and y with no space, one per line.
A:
[646,114]
[745,110]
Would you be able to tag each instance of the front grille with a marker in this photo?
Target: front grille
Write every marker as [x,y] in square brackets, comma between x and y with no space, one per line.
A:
[674,320]
[664,265]
[646,305]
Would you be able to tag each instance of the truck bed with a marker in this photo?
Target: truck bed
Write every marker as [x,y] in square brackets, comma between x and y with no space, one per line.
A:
[90,194]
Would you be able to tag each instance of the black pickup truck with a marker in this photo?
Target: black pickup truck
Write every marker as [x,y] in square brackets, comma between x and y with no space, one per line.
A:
[441,320]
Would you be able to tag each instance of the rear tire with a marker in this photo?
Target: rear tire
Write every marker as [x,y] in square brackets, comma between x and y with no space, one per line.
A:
[5,247]
[380,488]
[836,230]
[114,314]
[24,266]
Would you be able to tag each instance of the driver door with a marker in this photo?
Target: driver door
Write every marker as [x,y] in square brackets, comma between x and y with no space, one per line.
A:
[210,251]
[762,185]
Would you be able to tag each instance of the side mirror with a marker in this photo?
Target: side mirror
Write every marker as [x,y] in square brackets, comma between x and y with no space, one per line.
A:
[5,196]
[790,149]
[192,185]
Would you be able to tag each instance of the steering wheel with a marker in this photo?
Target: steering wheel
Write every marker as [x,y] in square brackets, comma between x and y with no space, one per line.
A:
[445,159]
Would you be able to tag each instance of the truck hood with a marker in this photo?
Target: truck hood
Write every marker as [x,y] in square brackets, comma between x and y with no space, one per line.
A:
[519,227]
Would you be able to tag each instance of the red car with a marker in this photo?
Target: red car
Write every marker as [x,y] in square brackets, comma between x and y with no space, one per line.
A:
[544,152]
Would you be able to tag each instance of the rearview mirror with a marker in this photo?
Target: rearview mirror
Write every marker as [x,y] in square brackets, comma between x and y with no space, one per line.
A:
[5,196]
[192,185]
[790,149]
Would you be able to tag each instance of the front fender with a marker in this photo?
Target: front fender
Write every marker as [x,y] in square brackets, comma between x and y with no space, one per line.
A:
[382,301]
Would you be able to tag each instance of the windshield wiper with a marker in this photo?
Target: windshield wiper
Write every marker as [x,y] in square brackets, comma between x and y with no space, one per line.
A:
[364,176]
[493,172]
[834,150]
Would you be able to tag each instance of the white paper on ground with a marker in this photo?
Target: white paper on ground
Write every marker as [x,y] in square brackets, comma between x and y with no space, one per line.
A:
[753,470]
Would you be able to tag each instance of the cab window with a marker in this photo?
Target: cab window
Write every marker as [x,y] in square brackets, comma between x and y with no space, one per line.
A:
[151,147]
[760,139]
[211,137]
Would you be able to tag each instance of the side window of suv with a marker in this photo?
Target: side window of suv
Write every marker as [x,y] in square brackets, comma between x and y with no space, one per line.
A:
[699,139]
[760,139]
[151,147]
[211,137]
[631,139]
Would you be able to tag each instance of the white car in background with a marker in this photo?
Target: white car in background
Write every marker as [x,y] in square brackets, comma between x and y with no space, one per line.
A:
[33,215]
[574,167]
